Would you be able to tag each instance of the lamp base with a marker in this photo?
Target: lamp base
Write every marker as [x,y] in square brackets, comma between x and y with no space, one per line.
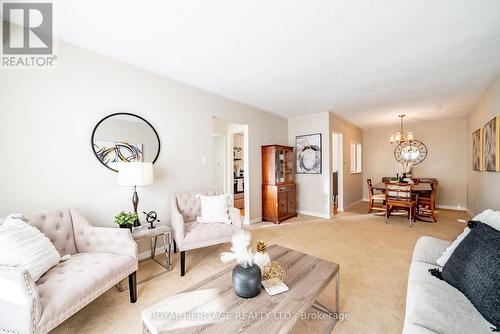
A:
[135,203]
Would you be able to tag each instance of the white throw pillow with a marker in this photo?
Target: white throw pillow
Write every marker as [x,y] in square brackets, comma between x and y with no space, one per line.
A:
[24,246]
[488,217]
[214,209]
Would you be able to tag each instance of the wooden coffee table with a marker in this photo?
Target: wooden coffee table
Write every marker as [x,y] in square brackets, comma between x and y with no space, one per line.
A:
[211,306]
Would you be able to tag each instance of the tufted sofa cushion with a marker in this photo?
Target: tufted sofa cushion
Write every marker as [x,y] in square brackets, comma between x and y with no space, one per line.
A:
[189,205]
[72,284]
[58,227]
[203,235]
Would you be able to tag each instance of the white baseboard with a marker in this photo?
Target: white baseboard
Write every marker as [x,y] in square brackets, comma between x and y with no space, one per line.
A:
[352,204]
[254,221]
[314,214]
[451,207]
[442,206]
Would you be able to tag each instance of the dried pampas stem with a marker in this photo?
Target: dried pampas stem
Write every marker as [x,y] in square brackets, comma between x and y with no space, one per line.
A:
[240,250]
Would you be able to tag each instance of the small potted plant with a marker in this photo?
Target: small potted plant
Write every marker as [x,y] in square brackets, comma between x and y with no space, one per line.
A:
[247,279]
[126,219]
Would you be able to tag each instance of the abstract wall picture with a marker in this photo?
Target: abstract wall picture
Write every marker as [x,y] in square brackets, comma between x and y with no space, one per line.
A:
[477,150]
[308,154]
[491,145]
[111,153]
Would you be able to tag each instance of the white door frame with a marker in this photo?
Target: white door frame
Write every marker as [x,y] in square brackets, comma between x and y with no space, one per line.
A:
[338,156]
[232,129]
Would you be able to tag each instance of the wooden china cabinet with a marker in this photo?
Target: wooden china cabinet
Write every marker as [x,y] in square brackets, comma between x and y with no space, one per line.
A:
[278,183]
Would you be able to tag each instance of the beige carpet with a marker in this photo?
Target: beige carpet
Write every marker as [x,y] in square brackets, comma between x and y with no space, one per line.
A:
[374,258]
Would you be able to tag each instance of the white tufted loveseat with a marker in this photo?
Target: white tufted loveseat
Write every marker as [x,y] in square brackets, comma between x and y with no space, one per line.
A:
[100,258]
[188,234]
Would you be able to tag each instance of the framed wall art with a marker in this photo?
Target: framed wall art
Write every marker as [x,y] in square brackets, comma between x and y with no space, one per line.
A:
[491,145]
[308,154]
[477,150]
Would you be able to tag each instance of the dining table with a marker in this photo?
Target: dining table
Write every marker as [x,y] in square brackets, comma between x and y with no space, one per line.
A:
[417,188]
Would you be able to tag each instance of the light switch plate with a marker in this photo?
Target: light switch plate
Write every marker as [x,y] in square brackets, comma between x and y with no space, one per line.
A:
[203,161]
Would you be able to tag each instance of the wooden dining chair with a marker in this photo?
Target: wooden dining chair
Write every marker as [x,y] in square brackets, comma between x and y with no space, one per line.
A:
[426,204]
[379,197]
[398,196]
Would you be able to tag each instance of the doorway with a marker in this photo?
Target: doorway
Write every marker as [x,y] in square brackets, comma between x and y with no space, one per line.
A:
[338,172]
[231,165]
[239,172]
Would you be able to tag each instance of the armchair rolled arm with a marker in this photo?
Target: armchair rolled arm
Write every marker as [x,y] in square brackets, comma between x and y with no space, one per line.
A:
[176,221]
[90,239]
[20,308]
[235,216]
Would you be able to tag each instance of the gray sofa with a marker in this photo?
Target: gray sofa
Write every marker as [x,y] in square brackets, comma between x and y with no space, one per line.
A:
[100,258]
[432,305]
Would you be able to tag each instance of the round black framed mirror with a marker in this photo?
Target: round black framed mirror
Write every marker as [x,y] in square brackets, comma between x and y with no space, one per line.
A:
[124,137]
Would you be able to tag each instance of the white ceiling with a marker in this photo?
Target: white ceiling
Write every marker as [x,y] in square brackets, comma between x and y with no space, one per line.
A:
[365,60]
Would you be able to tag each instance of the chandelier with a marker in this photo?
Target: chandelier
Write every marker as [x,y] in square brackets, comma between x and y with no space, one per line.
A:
[401,136]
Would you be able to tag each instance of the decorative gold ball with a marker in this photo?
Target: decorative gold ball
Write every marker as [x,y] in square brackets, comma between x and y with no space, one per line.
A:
[274,270]
[261,246]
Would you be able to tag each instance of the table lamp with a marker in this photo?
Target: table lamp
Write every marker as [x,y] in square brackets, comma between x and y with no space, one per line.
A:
[135,174]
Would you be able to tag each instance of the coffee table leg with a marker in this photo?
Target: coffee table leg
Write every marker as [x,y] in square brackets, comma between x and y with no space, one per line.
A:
[332,313]
[337,292]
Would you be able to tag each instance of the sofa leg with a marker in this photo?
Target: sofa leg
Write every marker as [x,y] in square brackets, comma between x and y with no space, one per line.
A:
[175,247]
[183,263]
[132,285]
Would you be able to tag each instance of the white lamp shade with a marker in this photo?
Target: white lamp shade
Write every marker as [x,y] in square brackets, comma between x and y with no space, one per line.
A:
[135,173]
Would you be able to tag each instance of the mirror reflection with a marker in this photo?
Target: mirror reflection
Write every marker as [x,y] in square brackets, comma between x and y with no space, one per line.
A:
[125,137]
[410,152]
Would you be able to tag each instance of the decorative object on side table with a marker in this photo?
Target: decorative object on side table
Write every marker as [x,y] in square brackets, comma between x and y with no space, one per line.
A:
[261,258]
[247,279]
[126,219]
[135,174]
[151,218]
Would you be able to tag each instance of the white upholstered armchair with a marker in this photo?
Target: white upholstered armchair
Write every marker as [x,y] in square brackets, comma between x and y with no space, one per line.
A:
[100,258]
[188,234]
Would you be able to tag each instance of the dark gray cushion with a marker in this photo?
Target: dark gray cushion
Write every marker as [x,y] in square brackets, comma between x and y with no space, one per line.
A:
[474,269]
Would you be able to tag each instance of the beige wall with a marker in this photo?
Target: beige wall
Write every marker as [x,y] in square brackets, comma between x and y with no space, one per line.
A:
[353,183]
[446,142]
[47,117]
[313,190]
[483,188]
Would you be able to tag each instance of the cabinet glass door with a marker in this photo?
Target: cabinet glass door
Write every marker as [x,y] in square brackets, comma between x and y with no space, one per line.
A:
[280,166]
[289,160]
